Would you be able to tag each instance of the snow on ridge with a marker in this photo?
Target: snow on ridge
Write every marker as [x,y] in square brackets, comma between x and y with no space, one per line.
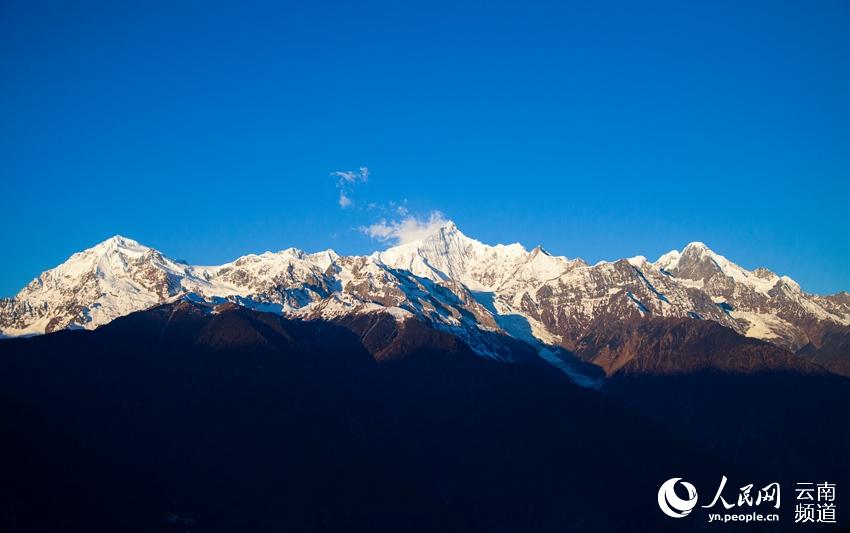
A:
[444,277]
[671,261]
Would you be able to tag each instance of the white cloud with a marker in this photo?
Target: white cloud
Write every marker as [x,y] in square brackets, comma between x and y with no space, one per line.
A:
[352,176]
[346,180]
[399,226]
[408,229]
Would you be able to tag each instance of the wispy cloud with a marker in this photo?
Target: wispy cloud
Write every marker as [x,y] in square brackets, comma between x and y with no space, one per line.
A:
[346,181]
[405,230]
[397,225]
[390,208]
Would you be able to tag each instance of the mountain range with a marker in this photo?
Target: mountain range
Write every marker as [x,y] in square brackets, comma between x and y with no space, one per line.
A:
[439,385]
[504,301]
[196,417]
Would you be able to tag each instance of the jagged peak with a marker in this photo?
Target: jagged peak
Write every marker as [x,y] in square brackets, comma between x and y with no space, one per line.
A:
[116,248]
[432,234]
[118,241]
[449,225]
[671,259]
[330,253]
[699,245]
[290,252]
[424,233]
[697,261]
[790,283]
[763,273]
[539,250]
[446,231]
[445,237]
[698,248]
[323,259]
[668,258]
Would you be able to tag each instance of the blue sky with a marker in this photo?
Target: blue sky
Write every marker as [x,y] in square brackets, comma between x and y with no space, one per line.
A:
[598,129]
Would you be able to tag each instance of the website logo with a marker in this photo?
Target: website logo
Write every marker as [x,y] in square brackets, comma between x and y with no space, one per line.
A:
[816,502]
[671,504]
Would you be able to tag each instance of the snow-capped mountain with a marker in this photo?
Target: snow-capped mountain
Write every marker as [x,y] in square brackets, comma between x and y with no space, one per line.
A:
[116,277]
[446,279]
[763,304]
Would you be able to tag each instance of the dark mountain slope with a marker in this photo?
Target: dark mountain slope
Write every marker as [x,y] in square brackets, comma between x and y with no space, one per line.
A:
[744,400]
[832,351]
[184,419]
[790,426]
[176,419]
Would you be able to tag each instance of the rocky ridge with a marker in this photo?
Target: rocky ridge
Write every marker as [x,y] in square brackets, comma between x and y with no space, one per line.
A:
[478,292]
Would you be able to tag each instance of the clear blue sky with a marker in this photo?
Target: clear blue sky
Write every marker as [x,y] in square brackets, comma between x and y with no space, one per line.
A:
[597,129]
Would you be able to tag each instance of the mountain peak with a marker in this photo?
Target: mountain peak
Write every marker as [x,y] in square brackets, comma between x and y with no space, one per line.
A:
[693,251]
[412,233]
[120,240]
[443,252]
[696,261]
[696,247]
[117,243]
[445,231]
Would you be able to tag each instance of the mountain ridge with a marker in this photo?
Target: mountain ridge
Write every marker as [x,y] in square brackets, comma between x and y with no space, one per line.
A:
[447,280]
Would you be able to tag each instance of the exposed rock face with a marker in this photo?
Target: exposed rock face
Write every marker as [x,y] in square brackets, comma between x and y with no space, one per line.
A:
[832,350]
[481,294]
[665,346]
[763,304]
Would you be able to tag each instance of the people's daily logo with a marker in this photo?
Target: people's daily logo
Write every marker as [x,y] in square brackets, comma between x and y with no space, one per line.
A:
[672,505]
[816,502]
